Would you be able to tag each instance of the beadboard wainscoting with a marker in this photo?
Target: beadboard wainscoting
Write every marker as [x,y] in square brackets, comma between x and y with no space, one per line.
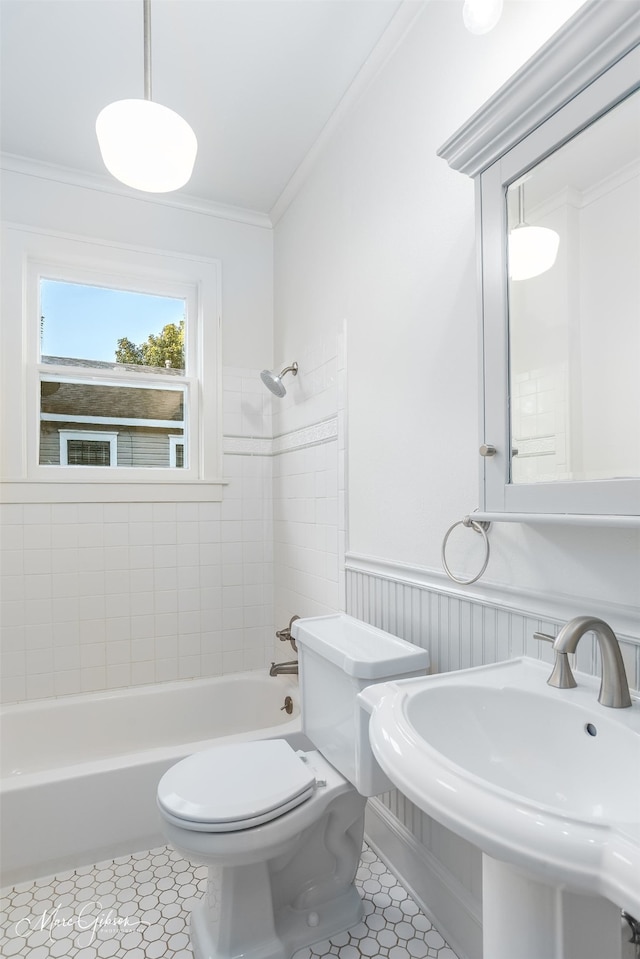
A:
[460,628]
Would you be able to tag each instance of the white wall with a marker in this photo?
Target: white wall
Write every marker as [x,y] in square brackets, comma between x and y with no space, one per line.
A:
[103,595]
[381,236]
[245,250]
[380,240]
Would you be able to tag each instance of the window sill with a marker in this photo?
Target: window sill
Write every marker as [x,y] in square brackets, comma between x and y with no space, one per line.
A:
[46,491]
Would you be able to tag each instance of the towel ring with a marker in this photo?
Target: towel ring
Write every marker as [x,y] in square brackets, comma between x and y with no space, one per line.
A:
[479,527]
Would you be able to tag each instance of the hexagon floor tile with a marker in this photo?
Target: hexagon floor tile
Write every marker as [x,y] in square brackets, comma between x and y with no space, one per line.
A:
[137,907]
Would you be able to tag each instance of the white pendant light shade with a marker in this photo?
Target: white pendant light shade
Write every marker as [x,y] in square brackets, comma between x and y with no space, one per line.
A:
[146,145]
[532,251]
[481,16]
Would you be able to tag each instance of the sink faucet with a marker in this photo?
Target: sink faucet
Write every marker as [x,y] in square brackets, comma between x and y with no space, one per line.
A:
[289,668]
[614,687]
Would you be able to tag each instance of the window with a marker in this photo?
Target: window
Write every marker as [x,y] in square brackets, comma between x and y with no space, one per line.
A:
[90,448]
[82,330]
[121,371]
[176,452]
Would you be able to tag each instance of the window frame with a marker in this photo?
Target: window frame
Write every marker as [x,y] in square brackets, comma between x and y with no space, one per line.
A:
[31,255]
[88,436]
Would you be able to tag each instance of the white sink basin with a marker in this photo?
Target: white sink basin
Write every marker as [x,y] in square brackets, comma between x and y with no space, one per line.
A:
[541,778]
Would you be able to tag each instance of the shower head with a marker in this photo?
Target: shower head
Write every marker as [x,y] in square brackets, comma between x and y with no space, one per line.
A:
[274,382]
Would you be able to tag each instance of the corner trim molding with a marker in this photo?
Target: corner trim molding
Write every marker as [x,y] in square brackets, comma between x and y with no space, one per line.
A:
[396,30]
[597,36]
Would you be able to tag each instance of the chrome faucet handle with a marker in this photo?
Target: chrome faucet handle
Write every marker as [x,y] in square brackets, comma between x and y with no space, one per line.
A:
[284,635]
[561,676]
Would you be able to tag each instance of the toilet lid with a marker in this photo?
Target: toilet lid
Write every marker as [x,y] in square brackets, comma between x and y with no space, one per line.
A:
[236,786]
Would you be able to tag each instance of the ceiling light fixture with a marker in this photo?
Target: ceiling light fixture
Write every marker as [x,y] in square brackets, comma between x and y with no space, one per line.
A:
[532,249]
[480,16]
[143,144]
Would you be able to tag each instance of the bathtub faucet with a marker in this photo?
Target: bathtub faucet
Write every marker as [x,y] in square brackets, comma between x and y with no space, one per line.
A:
[288,669]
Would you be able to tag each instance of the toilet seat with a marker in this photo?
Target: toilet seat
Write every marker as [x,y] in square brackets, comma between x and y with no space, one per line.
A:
[237,786]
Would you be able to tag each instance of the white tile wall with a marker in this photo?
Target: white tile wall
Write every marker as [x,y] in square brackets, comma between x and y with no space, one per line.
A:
[309,486]
[98,596]
[541,425]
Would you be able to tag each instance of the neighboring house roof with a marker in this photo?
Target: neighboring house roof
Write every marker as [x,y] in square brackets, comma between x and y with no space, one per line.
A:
[103,365]
[114,400]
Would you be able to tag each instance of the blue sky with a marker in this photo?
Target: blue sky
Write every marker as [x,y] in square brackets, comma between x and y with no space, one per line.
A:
[86,322]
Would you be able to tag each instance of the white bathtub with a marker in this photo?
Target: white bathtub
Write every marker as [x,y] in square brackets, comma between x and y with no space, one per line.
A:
[79,774]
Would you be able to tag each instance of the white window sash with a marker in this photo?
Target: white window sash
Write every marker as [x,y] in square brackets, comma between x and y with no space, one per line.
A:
[32,253]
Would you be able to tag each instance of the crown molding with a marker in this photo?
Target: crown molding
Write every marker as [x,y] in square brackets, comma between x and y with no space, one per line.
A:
[26,166]
[588,44]
[395,32]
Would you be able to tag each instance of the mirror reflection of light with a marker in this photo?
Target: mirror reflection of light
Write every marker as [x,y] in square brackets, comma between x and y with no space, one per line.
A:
[532,251]
[481,16]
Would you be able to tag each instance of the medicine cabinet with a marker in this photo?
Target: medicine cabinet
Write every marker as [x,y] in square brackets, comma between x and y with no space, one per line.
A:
[555,155]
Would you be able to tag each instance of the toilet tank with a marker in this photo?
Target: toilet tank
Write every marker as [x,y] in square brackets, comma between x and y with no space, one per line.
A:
[338,657]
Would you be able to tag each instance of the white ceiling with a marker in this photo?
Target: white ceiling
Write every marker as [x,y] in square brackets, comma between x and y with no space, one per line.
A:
[256,79]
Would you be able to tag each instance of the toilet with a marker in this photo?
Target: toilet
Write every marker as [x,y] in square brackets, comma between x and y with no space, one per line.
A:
[280,829]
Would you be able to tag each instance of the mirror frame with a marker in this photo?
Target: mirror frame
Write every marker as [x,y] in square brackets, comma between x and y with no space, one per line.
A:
[588,66]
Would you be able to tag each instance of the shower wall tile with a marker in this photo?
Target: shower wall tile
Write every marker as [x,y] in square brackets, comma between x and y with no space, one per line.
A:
[309,487]
[98,596]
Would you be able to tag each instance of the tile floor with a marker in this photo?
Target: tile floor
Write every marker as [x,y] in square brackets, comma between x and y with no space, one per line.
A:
[137,907]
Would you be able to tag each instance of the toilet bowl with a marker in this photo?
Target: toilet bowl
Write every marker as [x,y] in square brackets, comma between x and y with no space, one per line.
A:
[281,830]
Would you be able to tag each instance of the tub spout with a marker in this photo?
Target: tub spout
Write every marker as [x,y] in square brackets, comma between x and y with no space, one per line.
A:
[288,669]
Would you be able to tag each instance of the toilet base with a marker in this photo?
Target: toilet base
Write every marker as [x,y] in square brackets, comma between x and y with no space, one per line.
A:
[217,933]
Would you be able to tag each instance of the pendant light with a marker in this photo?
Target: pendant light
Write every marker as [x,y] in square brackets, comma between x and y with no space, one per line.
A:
[143,144]
[481,16]
[532,249]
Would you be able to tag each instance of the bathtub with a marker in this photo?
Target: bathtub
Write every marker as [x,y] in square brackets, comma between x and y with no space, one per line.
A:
[79,773]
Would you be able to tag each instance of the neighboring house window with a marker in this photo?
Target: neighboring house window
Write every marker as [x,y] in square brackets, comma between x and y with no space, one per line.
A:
[176,452]
[90,448]
[117,353]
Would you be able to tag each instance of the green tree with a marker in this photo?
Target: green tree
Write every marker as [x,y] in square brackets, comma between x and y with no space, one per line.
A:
[156,350]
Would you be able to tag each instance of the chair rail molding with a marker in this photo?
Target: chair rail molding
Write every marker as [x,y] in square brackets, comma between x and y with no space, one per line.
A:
[518,601]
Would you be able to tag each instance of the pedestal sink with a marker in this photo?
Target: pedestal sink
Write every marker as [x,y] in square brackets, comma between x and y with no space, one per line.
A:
[545,781]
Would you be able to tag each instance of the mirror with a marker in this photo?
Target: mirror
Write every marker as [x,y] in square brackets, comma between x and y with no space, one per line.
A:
[573,223]
[555,155]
